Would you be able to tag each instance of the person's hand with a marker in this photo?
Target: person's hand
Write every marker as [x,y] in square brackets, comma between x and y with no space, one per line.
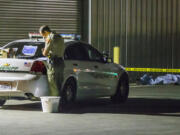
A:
[42,50]
[48,40]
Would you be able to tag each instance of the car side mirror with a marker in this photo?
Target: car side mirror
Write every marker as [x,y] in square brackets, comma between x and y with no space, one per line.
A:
[106,57]
[109,60]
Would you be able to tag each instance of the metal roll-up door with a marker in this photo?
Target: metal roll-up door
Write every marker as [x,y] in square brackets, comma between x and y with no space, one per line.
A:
[19,17]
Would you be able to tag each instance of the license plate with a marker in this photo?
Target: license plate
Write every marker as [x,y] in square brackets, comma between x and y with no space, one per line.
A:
[5,86]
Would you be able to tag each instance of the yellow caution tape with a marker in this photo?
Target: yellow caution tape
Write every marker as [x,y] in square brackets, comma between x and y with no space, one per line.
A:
[152,70]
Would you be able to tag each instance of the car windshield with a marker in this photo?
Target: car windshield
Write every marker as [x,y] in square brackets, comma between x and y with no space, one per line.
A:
[21,50]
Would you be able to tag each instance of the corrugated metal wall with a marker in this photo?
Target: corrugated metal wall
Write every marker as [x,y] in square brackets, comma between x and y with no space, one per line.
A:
[148,31]
[109,25]
[19,17]
[85,20]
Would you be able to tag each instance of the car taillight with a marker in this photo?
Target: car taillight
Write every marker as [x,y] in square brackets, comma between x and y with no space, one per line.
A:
[38,67]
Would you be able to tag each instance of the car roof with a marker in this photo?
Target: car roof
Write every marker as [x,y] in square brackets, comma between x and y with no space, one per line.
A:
[40,40]
[67,42]
[29,40]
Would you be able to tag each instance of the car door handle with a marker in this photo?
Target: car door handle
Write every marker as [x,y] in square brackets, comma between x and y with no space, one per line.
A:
[75,64]
[95,66]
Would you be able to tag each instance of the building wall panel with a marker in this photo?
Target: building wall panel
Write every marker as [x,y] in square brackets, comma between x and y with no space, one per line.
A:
[147,31]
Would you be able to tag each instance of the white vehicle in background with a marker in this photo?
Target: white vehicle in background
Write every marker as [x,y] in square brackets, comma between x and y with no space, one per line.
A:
[87,73]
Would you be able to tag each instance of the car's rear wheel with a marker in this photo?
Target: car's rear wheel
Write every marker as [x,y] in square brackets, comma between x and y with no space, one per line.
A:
[68,95]
[122,91]
[2,102]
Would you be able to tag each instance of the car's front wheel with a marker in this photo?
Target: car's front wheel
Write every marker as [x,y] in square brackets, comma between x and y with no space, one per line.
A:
[122,91]
[68,95]
[2,102]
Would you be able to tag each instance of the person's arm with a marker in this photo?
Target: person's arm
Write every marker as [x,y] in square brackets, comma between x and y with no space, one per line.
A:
[45,51]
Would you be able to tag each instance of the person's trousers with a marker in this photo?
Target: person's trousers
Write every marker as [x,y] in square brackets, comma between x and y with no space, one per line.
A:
[55,72]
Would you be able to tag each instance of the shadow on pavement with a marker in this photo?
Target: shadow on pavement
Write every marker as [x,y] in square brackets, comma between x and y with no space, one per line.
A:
[148,106]
[132,106]
[24,107]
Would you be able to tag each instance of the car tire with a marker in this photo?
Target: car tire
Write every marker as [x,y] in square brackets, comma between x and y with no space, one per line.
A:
[2,102]
[122,91]
[68,95]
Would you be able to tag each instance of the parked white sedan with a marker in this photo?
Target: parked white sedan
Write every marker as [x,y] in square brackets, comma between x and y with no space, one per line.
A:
[87,74]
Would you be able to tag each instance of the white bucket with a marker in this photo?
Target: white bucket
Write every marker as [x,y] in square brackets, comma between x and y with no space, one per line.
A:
[50,104]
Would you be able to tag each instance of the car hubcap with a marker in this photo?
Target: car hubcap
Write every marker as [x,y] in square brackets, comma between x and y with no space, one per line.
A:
[122,88]
[69,93]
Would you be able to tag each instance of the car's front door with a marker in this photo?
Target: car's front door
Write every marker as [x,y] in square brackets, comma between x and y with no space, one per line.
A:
[77,63]
[104,73]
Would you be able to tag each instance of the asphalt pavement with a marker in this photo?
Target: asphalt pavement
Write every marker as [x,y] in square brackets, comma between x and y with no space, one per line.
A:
[150,110]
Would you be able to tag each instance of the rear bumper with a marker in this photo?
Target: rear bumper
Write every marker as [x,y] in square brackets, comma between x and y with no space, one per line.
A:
[22,83]
[10,93]
[16,76]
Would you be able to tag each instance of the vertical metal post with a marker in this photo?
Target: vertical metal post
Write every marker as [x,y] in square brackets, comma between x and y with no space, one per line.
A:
[116,54]
[127,2]
[89,21]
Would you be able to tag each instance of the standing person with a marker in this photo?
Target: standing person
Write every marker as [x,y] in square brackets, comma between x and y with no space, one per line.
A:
[54,49]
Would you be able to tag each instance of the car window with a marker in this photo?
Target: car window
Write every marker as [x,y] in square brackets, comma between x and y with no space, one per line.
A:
[26,49]
[75,52]
[93,54]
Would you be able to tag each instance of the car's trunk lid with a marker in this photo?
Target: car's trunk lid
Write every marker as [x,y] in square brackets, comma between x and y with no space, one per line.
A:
[7,64]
